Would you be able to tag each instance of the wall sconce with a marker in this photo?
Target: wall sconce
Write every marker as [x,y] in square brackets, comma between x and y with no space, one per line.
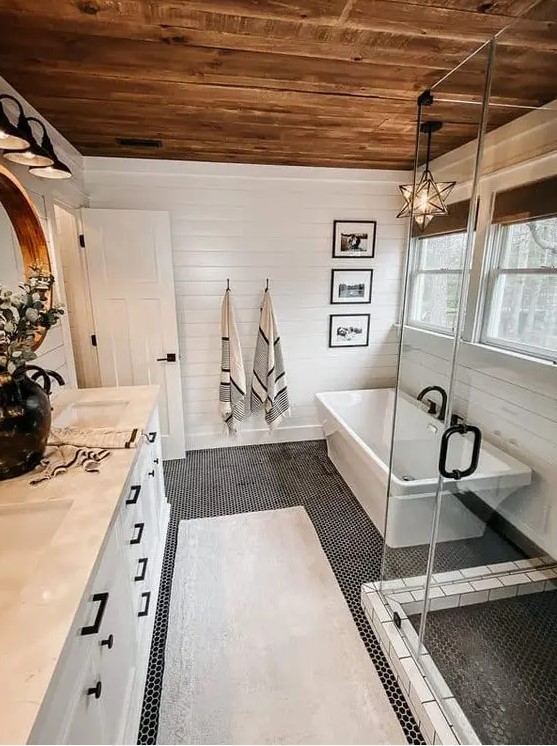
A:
[20,146]
[429,198]
[11,136]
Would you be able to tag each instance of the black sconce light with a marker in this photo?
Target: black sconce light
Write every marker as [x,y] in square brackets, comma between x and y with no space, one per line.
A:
[34,154]
[11,135]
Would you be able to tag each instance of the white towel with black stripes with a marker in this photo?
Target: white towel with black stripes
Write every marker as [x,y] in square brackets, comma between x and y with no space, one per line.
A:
[268,386]
[232,392]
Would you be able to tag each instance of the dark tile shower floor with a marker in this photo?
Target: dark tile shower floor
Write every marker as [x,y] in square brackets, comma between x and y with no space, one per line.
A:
[500,660]
[250,478]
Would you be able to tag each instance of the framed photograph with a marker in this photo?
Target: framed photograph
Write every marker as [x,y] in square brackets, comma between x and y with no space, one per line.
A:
[354,239]
[349,330]
[351,286]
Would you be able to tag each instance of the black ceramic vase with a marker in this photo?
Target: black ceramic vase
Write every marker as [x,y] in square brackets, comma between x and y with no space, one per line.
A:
[25,418]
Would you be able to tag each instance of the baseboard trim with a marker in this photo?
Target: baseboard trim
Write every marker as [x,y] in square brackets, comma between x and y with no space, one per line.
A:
[259,436]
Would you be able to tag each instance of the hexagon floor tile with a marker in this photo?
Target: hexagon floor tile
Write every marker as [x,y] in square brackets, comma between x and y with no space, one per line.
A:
[248,478]
[500,660]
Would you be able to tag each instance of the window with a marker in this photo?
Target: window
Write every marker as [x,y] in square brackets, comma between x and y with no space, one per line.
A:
[435,284]
[522,290]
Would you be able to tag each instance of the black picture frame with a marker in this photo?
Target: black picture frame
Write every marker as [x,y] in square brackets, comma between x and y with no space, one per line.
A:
[334,316]
[355,255]
[349,302]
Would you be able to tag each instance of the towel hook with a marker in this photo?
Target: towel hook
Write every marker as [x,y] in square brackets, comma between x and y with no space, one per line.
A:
[228,283]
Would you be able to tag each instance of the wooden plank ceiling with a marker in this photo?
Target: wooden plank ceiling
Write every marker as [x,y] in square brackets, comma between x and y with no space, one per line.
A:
[314,82]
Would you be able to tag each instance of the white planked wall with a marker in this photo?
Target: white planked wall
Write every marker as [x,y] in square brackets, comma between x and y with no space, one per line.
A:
[249,223]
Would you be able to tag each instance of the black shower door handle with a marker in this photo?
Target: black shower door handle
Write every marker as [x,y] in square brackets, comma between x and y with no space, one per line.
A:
[461,430]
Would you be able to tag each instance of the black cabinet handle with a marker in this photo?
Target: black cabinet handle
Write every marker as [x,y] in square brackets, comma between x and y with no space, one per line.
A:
[102,600]
[141,563]
[135,489]
[109,642]
[137,539]
[155,461]
[151,437]
[145,610]
[462,430]
[95,691]
[151,473]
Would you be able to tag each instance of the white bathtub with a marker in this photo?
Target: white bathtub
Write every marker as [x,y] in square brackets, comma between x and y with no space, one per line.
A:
[357,426]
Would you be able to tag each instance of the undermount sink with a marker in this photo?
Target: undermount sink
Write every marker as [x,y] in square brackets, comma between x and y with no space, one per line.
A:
[95,414]
[25,533]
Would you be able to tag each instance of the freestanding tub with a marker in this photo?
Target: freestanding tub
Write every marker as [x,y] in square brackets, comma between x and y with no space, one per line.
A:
[358,429]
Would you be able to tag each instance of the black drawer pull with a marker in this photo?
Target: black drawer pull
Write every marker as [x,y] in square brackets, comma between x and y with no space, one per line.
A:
[151,437]
[95,691]
[155,461]
[142,562]
[145,610]
[102,600]
[135,489]
[109,642]
[151,473]
[137,539]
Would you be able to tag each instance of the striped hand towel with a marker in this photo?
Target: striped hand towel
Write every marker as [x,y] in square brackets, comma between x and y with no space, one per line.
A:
[58,459]
[232,392]
[268,386]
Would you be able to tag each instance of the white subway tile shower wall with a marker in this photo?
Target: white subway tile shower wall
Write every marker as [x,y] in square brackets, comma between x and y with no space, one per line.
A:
[248,223]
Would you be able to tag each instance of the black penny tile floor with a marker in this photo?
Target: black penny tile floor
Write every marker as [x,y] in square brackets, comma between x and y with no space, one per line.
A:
[500,661]
[250,478]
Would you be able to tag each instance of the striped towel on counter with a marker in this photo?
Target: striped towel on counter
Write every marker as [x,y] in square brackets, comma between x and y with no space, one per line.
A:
[58,459]
[268,386]
[232,390]
[96,437]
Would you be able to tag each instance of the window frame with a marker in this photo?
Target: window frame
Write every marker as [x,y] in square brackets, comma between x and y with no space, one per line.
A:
[492,271]
[416,271]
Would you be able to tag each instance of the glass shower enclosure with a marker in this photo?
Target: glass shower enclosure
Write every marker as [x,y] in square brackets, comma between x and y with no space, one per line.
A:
[468,575]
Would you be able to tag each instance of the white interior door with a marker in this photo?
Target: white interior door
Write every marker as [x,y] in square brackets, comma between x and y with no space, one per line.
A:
[129,256]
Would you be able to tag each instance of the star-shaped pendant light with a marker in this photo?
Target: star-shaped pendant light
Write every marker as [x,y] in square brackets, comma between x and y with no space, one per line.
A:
[430,197]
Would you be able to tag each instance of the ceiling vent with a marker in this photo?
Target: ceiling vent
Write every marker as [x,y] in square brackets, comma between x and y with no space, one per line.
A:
[138,142]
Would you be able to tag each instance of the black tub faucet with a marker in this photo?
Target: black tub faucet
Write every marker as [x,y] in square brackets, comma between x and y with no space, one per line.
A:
[432,405]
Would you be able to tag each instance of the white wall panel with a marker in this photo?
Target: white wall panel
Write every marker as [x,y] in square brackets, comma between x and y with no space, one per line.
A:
[253,222]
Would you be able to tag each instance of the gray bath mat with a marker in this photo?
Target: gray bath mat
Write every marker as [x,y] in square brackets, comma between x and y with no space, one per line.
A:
[261,646]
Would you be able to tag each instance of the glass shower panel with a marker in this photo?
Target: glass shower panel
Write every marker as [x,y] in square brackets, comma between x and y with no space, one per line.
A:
[488,612]
[437,272]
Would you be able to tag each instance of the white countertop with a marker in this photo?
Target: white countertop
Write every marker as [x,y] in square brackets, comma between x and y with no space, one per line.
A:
[56,532]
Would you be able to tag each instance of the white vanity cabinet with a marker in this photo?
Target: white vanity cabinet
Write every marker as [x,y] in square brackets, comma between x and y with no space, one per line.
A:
[96,692]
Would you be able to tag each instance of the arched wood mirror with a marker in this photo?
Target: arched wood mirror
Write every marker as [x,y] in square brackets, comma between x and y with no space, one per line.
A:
[22,240]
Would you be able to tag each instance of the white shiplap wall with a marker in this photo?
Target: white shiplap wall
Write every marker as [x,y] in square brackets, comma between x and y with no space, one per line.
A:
[252,222]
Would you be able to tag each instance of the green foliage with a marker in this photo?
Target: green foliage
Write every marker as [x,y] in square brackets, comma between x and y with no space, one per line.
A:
[23,314]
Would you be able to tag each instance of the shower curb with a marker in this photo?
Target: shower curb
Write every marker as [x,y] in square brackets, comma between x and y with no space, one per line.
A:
[440,717]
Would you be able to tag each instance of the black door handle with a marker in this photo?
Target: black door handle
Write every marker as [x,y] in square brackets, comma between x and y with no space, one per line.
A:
[135,489]
[462,430]
[141,563]
[137,539]
[170,357]
[145,610]
[102,600]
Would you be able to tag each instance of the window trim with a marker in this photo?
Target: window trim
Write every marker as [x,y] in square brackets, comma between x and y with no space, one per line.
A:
[416,271]
[492,271]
